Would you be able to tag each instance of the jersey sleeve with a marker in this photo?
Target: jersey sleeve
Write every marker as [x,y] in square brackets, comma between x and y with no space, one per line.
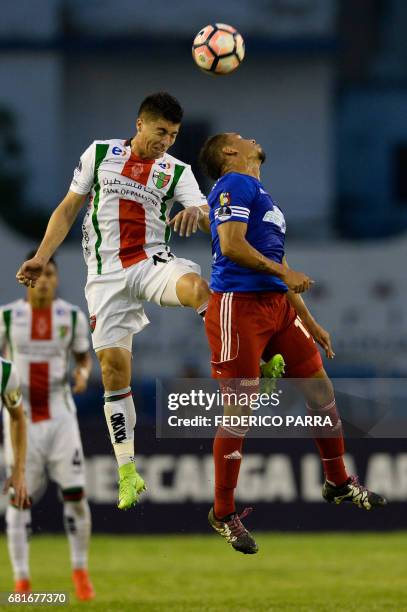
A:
[11,392]
[83,175]
[235,200]
[80,342]
[187,191]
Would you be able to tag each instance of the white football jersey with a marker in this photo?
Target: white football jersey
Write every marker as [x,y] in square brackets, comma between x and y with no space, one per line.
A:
[10,391]
[40,341]
[130,201]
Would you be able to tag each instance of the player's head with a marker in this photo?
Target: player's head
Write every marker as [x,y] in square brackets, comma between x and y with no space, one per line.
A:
[158,123]
[228,152]
[46,285]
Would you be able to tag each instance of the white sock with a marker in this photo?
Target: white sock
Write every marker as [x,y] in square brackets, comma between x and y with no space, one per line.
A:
[120,416]
[18,528]
[78,525]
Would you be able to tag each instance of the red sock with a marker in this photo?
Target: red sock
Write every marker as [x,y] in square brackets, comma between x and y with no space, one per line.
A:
[227,455]
[332,450]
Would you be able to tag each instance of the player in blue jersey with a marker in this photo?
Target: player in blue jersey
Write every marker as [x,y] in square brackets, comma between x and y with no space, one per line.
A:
[255,310]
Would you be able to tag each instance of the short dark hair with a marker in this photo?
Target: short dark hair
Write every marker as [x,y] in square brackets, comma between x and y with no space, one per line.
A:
[211,159]
[162,104]
[33,253]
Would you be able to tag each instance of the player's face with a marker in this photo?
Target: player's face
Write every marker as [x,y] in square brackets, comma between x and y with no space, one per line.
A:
[156,135]
[247,147]
[46,285]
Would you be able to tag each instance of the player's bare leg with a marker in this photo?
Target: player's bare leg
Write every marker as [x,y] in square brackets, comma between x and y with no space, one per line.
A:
[339,487]
[120,416]
[193,291]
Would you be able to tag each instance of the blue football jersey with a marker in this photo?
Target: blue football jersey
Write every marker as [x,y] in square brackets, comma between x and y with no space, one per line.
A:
[239,197]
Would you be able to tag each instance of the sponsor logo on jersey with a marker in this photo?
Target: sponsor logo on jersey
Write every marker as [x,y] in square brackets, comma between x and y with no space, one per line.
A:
[118,151]
[165,165]
[224,198]
[161,179]
[92,323]
[224,213]
[275,216]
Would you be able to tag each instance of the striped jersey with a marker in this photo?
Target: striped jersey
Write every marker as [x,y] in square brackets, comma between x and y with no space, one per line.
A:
[40,342]
[129,203]
[10,392]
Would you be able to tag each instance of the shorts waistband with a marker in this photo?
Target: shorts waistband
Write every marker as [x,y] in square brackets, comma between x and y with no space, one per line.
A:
[252,295]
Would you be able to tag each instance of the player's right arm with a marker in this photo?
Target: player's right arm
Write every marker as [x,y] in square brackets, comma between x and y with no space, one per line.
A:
[58,227]
[11,396]
[61,219]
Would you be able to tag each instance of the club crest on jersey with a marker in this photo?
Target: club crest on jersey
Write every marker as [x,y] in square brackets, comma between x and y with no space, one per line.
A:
[92,323]
[63,330]
[161,179]
[224,198]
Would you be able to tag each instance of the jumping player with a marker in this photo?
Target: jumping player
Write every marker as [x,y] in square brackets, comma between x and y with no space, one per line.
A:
[131,185]
[41,334]
[255,311]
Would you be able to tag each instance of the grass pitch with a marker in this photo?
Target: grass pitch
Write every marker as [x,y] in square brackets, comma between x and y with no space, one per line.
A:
[305,573]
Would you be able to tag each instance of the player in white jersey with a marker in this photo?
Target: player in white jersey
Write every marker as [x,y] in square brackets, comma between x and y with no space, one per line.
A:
[41,334]
[131,185]
[16,430]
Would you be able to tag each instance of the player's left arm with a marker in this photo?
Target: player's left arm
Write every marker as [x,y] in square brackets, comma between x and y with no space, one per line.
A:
[196,210]
[319,334]
[81,355]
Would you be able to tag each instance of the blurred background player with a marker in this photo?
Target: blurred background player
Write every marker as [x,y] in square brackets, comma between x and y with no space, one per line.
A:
[132,185]
[41,333]
[255,311]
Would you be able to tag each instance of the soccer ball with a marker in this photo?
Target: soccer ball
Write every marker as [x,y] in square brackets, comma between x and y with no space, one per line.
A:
[218,49]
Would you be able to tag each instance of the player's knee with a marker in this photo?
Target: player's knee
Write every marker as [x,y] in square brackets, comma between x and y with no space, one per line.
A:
[199,291]
[77,516]
[115,368]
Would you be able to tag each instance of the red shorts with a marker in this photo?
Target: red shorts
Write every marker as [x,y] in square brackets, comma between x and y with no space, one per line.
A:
[242,328]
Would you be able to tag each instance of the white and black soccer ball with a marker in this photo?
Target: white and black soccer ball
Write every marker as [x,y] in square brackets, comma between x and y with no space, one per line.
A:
[218,49]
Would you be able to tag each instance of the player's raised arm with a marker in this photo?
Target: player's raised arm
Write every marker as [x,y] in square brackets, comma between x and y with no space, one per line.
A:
[58,227]
[233,244]
[61,219]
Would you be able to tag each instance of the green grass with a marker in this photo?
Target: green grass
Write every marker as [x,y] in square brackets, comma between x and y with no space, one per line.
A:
[305,573]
